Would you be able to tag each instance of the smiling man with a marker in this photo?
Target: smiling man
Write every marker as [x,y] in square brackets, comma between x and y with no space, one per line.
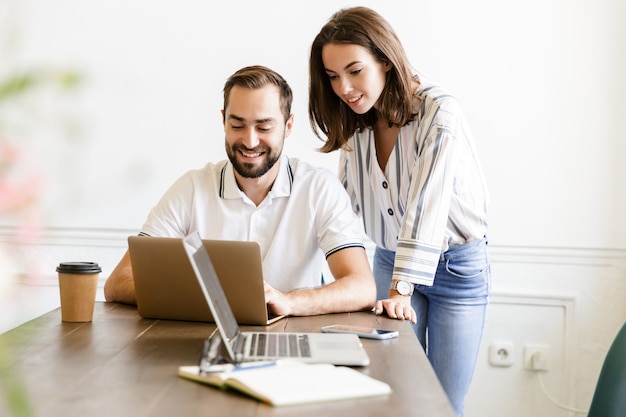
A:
[300,215]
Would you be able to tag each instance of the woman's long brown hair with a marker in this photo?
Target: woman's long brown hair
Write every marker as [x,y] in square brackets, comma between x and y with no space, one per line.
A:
[331,119]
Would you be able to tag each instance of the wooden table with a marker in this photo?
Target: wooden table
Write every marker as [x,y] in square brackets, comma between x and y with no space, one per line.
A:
[123,365]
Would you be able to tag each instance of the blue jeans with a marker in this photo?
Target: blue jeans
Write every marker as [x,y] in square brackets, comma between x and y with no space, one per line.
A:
[450,314]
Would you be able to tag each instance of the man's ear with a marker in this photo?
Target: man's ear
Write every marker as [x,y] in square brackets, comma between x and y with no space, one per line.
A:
[289,125]
[223,118]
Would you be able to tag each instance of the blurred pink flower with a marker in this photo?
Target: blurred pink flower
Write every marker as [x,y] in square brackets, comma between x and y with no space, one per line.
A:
[17,195]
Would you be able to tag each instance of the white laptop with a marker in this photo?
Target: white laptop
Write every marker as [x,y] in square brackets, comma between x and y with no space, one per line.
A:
[338,349]
[166,286]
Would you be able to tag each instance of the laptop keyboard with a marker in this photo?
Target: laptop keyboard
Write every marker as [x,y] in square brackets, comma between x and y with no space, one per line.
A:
[279,345]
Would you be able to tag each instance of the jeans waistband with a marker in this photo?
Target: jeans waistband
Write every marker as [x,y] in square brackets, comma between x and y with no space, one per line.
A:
[466,247]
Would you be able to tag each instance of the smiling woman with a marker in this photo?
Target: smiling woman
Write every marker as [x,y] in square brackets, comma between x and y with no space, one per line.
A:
[358,81]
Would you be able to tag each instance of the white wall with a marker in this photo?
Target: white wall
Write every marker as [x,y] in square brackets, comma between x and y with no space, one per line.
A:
[541,82]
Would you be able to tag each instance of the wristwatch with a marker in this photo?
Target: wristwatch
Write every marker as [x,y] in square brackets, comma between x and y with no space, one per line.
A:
[403,287]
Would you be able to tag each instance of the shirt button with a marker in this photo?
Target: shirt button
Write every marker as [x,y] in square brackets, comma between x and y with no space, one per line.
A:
[385,185]
[390,211]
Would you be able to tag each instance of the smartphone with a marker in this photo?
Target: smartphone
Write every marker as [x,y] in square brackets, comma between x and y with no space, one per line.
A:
[367,332]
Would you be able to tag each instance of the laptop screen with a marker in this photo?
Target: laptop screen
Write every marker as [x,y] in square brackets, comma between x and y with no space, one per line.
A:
[214,293]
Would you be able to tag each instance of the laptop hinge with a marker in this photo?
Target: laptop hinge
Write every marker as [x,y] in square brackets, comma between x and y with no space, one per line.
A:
[237,346]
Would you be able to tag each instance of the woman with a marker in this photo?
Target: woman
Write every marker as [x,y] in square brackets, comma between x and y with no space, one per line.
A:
[409,164]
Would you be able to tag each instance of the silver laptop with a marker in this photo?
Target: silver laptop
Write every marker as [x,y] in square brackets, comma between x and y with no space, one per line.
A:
[166,286]
[338,349]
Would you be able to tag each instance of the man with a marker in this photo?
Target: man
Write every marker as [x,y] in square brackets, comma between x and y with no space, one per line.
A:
[297,213]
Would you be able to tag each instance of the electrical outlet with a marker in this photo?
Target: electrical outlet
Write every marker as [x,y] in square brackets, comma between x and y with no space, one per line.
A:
[536,357]
[501,354]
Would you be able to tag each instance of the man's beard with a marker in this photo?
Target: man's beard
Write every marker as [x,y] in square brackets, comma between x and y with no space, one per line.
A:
[247,170]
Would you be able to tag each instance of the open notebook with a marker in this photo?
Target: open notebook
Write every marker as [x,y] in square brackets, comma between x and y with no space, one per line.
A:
[338,349]
[291,383]
[166,286]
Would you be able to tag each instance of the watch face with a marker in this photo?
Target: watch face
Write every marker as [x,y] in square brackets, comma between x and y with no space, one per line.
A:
[403,287]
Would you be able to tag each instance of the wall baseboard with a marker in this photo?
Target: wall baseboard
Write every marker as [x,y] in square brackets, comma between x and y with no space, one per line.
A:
[58,236]
[557,255]
[106,237]
[32,257]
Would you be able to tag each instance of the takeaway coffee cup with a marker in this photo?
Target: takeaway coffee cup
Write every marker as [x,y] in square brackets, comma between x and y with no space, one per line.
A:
[78,282]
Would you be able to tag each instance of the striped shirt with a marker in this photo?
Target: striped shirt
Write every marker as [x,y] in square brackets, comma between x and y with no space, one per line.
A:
[432,193]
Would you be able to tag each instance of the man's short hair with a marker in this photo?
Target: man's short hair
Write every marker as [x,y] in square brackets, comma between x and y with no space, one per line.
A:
[258,76]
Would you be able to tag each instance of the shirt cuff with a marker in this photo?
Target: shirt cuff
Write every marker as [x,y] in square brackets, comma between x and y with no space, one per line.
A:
[416,262]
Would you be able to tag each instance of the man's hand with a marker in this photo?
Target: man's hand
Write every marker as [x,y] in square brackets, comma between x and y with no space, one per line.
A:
[353,289]
[277,302]
[397,307]
[120,287]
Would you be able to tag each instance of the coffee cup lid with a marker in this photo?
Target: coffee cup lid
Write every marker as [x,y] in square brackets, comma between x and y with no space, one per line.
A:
[79,267]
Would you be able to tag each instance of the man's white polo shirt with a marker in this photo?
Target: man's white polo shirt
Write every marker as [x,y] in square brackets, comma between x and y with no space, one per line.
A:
[307,215]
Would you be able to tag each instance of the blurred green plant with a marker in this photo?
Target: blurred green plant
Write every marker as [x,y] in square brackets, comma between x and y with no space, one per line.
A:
[18,84]
[17,194]
[12,387]
[16,197]
[19,191]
